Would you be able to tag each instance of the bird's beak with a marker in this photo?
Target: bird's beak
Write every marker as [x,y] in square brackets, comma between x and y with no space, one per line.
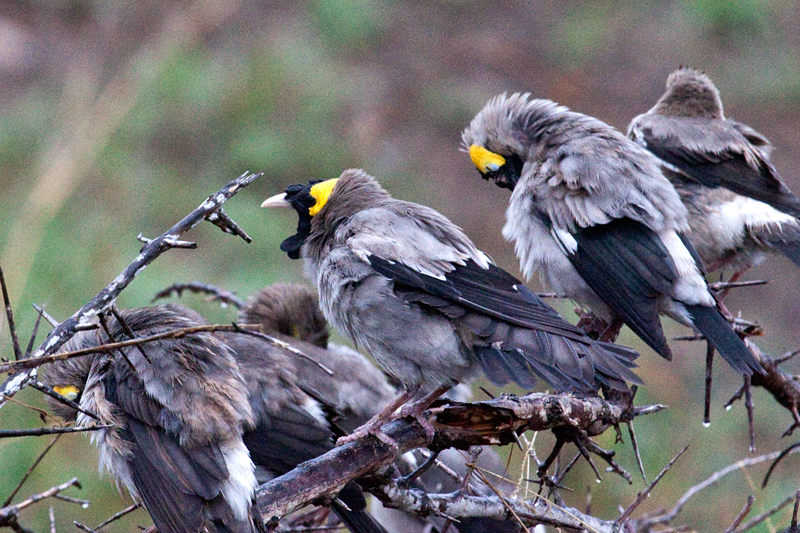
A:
[279,200]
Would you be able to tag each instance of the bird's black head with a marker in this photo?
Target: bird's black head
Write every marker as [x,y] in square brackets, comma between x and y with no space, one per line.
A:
[307,200]
[504,171]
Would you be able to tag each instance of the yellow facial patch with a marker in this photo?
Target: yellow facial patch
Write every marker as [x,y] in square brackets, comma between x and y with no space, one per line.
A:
[70,392]
[321,192]
[485,160]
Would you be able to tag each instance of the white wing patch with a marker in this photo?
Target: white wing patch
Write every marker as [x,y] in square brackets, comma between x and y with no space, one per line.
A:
[565,240]
[690,287]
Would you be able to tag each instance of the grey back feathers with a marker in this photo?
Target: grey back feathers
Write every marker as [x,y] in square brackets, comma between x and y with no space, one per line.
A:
[738,207]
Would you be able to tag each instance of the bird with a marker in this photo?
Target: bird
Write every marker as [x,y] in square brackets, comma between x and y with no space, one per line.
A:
[739,209]
[356,390]
[292,424]
[592,211]
[406,285]
[176,421]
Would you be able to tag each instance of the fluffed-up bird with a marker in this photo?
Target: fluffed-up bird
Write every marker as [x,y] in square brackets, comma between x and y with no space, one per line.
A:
[292,426]
[177,421]
[739,209]
[593,213]
[406,285]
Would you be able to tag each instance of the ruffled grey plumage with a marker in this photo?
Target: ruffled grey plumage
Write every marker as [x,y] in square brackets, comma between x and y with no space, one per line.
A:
[592,212]
[405,284]
[178,421]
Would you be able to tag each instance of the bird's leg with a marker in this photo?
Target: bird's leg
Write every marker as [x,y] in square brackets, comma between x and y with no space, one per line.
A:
[612,331]
[416,409]
[373,425]
[598,328]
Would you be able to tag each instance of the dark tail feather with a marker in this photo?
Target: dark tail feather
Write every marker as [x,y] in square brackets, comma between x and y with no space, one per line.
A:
[791,250]
[351,508]
[716,329]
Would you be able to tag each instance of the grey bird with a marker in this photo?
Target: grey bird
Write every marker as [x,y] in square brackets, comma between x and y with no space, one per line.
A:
[593,213]
[739,209]
[356,390]
[406,285]
[293,425]
[293,422]
[178,421]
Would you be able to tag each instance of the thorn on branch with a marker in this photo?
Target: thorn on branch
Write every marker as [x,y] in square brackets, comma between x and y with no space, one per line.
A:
[39,309]
[215,293]
[10,317]
[741,516]
[224,222]
[642,496]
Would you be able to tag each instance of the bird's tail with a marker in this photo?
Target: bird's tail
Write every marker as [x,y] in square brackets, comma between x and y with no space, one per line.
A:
[351,508]
[710,322]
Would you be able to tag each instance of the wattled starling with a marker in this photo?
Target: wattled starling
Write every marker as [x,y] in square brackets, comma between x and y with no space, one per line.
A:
[739,209]
[593,213]
[406,285]
[177,421]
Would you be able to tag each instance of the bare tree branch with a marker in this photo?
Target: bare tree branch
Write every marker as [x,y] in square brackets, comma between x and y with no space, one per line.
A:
[457,425]
[30,470]
[37,432]
[105,299]
[9,514]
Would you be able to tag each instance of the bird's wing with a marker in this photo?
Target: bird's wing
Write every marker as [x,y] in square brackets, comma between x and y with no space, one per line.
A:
[284,439]
[716,154]
[173,480]
[627,265]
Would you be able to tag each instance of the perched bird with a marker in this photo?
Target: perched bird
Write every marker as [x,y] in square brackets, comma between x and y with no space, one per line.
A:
[593,213]
[405,284]
[357,390]
[177,421]
[739,209]
[291,426]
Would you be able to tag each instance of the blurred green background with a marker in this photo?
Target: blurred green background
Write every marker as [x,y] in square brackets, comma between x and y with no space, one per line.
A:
[121,117]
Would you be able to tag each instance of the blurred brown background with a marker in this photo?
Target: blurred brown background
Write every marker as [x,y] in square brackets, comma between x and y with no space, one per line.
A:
[121,117]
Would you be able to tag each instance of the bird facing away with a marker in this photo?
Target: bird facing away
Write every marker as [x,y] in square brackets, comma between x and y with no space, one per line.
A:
[356,390]
[406,285]
[176,441]
[738,207]
[291,426]
[593,213]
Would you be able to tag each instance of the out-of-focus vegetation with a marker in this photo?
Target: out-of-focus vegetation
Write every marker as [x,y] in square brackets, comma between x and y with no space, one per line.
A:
[121,117]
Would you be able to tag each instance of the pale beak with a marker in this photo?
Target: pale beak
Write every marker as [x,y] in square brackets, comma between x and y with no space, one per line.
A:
[279,200]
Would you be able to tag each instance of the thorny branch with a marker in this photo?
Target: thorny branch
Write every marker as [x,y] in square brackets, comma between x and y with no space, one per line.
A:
[103,301]
[458,425]
[10,514]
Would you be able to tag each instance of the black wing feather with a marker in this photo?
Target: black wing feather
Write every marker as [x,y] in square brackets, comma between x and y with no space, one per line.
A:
[519,334]
[628,266]
[284,439]
[493,292]
[727,169]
